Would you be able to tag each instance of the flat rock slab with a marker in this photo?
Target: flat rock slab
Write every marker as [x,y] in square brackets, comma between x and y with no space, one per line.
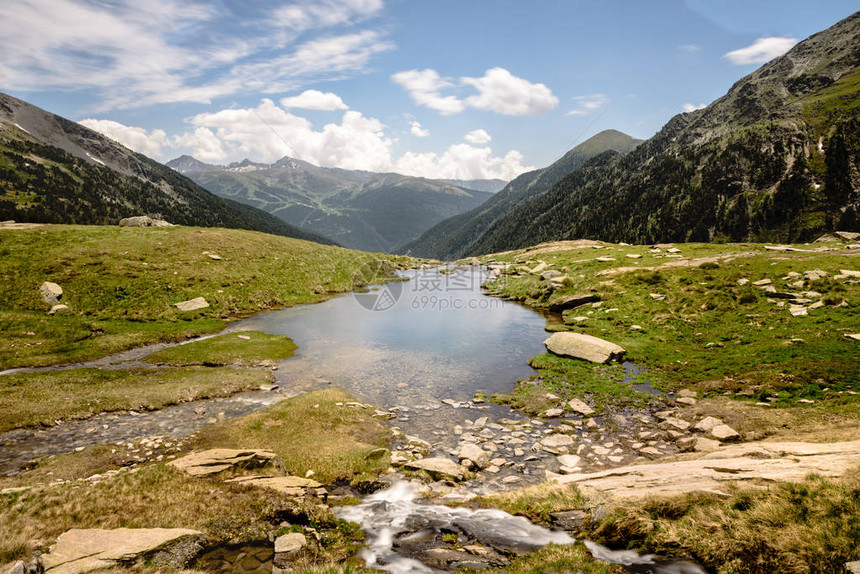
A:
[438,468]
[289,485]
[562,302]
[768,461]
[87,550]
[217,460]
[192,304]
[581,346]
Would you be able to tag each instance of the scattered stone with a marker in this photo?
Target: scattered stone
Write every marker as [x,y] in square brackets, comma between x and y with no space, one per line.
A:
[51,292]
[474,453]
[686,400]
[849,273]
[550,274]
[586,347]
[853,567]
[143,221]
[604,259]
[658,296]
[580,407]
[438,468]
[192,304]
[706,444]
[289,543]
[675,423]
[87,550]
[707,424]
[687,393]
[724,433]
[743,281]
[217,460]
[511,479]
[855,336]
[650,452]
[634,256]
[14,568]
[562,302]
[557,440]
[58,309]
[797,310]
[762,282]
[552,413]
[568,460]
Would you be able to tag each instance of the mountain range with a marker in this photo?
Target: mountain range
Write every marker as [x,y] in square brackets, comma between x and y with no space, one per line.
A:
[357,209]
[775,159]
[53,170]
[453,237]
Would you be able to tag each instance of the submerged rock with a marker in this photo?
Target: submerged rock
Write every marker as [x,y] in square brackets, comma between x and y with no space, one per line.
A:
[585,347]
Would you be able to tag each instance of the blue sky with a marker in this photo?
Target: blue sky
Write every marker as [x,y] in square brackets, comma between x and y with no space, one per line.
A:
[457,89]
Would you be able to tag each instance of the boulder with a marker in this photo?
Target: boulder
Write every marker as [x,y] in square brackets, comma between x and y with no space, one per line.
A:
[438,468]
[550,274]
[562,302]
[557,440]
[192,304]
[51,292]
[88,550]
[289,485]
[673,423]
[707,424]
[706,444]
[17,567]
[471,451]
[217,460]
[552,413]
[853,567]
[585,347]
[580,407]
[143,221]
[568,460]
[58,309]
[724,432]
[570,519]
[290,543]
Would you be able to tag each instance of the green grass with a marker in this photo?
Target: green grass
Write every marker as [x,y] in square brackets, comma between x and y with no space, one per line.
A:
[120,284]
[31,399]
[708,329]
[248,349]
[310,432]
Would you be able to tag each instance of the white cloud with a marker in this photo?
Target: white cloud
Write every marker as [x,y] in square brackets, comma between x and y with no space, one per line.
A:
[761,51]
[502,92]
[478,136]
[586,104]
[688,107]
[315,100]
[139,53]
[498,91]
[462,161]
[417,131]
[690,48]
[424,87]
[204,144]
[306,15]
[134,138]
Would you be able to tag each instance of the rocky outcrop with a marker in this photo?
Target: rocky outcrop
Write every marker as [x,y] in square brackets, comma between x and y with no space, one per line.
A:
[585,347]
[289,485]
[561,303]
[749,462]
[94,549]
[143,221]
[192,304]
[217,460]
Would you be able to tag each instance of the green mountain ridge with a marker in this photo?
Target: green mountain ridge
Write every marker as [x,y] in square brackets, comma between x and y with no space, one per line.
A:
[775,159]
[453,238]
[53,170]
[358,209]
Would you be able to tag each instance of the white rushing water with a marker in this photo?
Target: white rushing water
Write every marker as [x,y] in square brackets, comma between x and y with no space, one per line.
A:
[393,514]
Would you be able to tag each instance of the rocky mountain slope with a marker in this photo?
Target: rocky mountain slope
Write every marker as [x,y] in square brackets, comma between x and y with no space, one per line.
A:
[777,158]
[358,209]
[452,238]
[53,170]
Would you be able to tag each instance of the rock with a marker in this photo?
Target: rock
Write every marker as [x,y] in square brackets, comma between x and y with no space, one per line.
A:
[58,309]
[724,432]
[471,451]
[604,259]
[550,274]
[855,336]
[290,543]
[214,257]
[743,281]
[568,460]
[438,468]
[289,485]
[797,310]
[707,424]
[216,460]
[51,292]
[570,519]
[562,302]
[87,550]
[687,393]
[651,452]
[192,304]
[586,347]
[143,221]
[686,400]
[673,250]
[675,423]
[376,453]
[706,444]
[551,413]
[849,273]
[580,407]
[14,568]
[633,256]
[762,282]
[557,440]
[853,567]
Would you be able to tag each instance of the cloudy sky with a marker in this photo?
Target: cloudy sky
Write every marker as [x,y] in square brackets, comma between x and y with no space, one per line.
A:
[439,88]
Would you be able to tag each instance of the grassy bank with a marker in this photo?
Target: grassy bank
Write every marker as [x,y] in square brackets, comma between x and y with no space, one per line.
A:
[120,284]
[693,318]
